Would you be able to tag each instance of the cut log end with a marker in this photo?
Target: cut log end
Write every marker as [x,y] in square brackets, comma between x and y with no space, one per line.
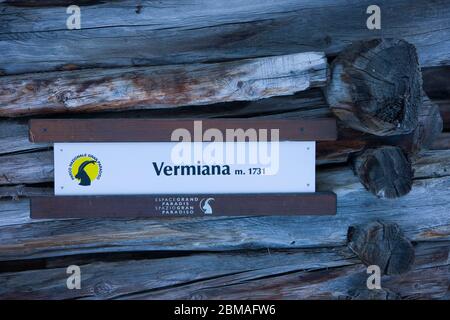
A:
[382,244]
[376,87]
[385,171]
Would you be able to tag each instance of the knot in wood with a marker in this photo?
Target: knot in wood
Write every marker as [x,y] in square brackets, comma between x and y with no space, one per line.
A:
[102,288]
[64,97]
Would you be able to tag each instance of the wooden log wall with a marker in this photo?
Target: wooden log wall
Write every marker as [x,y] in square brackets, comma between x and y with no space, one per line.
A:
[240,257]
[35,37]
[159,87]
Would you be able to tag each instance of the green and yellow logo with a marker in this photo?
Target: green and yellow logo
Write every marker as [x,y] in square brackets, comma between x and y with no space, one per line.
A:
[85,168]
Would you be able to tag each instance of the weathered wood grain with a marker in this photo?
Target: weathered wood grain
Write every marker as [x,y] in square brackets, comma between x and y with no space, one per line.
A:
[382,244]
[18,191]
[121,278]
[422,215]
[385,171]
[158,87]
[340,283]
[429,280]
[14,137]
[125,33]
[35,167]
[432,163]
[14,212]
[332,273]
[376,86]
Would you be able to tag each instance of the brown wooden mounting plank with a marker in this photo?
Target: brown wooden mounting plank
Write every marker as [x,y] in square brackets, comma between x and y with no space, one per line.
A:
[151,130]
[320,203]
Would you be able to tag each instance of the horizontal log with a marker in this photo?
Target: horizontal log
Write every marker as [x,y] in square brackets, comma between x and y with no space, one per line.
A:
[158,274]
[422,215]
[432,163]
[347,282]
[335,283]
[15,212]
[36,38]
[161,87]
[14,137]
[326,273]
[302,105]
[18,191]
[34,167]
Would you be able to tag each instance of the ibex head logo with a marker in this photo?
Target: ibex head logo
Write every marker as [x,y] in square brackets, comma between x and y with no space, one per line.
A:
[85,169]
[82,175]
[205,205]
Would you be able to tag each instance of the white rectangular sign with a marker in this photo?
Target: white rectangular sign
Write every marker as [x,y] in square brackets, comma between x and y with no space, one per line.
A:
[184,168]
